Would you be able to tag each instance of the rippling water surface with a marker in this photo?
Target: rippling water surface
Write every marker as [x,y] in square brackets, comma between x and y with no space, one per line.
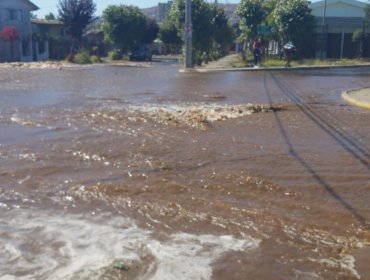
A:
[145,173]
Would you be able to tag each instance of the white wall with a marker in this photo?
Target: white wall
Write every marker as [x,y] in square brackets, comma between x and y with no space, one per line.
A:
[338,9]
[23,26]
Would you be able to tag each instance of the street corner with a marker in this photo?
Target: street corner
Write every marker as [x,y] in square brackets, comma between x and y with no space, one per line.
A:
[358,97]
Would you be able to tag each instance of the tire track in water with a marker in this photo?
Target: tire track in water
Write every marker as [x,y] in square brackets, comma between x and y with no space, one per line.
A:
[343,139]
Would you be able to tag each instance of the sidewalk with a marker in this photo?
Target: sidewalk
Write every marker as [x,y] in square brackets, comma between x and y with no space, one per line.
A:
[358,97]
[225,64]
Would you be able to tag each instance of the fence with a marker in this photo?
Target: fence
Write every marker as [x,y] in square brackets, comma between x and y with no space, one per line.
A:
[335,39]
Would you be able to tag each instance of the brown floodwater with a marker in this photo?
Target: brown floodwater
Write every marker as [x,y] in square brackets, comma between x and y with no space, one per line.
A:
[110,172]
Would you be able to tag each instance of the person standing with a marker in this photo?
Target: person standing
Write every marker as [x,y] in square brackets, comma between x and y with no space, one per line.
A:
[257,51]
[289,51]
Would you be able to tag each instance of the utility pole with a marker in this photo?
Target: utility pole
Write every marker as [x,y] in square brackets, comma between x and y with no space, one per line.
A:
[324,15]
[188,28]
[324,39]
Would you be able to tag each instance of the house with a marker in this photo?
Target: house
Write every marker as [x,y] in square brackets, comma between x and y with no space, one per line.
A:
[336,21]
[17,14]
[49,39]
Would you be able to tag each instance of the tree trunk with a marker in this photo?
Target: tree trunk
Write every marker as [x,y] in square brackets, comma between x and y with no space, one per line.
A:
[72,52]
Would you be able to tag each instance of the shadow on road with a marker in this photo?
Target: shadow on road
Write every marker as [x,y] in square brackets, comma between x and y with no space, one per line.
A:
[341,138]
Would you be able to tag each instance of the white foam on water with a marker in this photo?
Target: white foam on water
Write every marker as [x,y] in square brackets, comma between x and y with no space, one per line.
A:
[24,122]
[188,256]
[346,263]
[41,246]
[195,115]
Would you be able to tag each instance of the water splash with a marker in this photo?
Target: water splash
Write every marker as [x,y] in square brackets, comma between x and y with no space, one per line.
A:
[35,247]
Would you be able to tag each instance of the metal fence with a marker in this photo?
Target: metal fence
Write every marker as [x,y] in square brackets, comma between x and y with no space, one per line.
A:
[335,39]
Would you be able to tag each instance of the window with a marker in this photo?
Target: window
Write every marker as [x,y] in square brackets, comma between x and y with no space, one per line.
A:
[14,14]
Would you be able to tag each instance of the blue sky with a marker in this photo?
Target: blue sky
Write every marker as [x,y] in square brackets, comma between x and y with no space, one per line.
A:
[47,6]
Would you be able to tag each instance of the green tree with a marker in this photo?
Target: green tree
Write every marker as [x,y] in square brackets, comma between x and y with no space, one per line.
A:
[202,25]
[223,33]
[269,7]
[169,35]
[151,30]
[296,24]
[124,26]
[50,16]
[211,30]
[367,13]
[360,38]
[76,16]
[251,13]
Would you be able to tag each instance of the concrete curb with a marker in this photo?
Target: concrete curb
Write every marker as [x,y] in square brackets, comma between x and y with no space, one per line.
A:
[294,68]
[356,97]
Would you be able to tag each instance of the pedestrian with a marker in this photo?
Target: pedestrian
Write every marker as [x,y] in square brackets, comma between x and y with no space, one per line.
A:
[257,46]
[289,51]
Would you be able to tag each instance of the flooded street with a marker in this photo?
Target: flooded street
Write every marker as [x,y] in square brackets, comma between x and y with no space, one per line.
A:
[110,172]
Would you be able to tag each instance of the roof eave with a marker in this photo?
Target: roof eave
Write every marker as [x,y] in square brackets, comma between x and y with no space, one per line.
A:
[33,6]
[322,3]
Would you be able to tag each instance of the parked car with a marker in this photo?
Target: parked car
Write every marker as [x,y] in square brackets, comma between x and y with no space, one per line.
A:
[141,53]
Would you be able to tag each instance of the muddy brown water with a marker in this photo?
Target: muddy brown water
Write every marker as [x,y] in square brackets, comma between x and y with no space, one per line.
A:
[145,173]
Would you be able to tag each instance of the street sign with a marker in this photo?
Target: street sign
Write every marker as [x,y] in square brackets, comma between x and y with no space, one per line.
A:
[265,30]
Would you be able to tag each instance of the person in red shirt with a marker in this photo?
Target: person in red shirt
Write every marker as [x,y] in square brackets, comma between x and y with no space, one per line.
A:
[257,51]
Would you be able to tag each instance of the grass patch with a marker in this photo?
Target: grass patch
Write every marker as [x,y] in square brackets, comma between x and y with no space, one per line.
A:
[276,62]
[345,61]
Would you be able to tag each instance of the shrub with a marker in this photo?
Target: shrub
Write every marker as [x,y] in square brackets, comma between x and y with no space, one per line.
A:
[115,55]
[95,59]
[82,57]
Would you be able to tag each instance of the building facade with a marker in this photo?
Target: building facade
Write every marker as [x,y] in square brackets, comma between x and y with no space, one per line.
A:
[17,14]
[336,21]
[49,40]
[163,9]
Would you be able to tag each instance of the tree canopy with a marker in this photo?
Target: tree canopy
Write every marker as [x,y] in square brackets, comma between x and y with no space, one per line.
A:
[291,18]
[223,33]
[210,27]
[295,22]
[168,33]
[150,31]
[251,13]
[126,26]
[367,13]
[76,16]
[50,16]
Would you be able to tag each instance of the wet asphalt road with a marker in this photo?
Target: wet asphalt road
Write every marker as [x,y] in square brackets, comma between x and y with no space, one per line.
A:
[149,158]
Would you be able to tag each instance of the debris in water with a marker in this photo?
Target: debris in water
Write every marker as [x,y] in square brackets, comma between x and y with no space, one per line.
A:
[121,266]
[199,116]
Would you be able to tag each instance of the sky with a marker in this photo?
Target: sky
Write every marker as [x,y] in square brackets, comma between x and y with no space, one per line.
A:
[47,6]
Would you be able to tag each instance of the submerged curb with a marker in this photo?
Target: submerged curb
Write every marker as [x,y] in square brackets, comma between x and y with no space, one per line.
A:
[358,97]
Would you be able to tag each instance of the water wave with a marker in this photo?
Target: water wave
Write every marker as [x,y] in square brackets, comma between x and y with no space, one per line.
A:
[92,247]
